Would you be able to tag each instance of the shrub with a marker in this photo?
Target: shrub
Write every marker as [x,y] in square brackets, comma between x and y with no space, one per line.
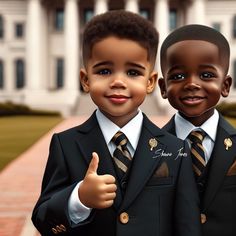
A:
[10,109]
[227,109]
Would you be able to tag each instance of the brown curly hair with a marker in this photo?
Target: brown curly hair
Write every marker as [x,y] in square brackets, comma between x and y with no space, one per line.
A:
[121,24]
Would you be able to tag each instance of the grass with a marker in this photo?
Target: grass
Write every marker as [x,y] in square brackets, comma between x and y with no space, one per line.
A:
[17,133]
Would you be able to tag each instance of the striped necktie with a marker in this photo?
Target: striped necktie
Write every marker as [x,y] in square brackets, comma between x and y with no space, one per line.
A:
[197,151]
[121,155]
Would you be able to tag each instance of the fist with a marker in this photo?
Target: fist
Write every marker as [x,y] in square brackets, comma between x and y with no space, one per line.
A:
[97,191]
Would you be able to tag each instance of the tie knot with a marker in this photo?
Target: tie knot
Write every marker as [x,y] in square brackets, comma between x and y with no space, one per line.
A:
[120,139]
[197,136]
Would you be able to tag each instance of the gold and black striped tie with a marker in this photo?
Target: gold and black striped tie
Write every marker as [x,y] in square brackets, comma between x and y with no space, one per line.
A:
[197,151]
[121,155]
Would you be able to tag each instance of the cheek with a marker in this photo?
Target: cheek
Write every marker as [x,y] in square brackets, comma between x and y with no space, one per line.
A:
[96,90]
[97,85]
[172,90]
[214,91]
[139,89]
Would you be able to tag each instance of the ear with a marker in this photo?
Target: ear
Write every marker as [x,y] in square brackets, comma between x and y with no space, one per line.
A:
[84,80]
[162,86]
[226,86]
[151,82]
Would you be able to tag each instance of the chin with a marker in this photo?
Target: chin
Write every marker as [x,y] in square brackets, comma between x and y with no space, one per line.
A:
[190,115]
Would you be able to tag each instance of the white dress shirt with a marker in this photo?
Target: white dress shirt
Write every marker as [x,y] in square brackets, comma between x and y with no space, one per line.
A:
[77,211]
[184,127]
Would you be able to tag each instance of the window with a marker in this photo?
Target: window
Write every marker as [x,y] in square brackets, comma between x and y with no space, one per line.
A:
[1,74]
[234,26]
[59,73]
[216,26]
[173,19]
[1,27]
[88,14]
[234,68]
[59,19]
[20,73]
[145,13]
[19,30]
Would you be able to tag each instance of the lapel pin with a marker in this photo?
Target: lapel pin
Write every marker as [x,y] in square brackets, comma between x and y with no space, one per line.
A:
[227,143]
[152,143]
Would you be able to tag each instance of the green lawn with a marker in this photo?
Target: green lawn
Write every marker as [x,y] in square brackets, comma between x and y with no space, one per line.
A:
[17,133]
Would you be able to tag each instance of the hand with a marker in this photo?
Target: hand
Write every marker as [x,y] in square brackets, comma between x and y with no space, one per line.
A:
[97,191]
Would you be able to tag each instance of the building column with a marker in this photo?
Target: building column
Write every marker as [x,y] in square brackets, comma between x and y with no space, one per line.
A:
[34,47]
[71,46]
[100,7]
[161,22]
[161,18]
[8,75]
[196,12]
[132,5]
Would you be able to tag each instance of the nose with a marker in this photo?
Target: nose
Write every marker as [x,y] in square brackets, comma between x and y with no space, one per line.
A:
[192,83]
[118,81]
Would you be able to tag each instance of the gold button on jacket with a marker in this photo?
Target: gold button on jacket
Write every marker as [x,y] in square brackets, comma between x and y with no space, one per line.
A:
[124,218]
[54,230]
[203,218]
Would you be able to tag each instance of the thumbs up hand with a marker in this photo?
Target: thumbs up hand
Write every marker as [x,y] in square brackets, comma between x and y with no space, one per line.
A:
[97,191]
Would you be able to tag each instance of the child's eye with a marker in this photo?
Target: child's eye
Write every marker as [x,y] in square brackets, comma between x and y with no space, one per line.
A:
[207,75]
[104,72]
[179,76]
[133,73]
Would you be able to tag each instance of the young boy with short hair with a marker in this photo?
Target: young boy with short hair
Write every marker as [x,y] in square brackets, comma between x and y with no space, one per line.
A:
[194,64]
[118,174]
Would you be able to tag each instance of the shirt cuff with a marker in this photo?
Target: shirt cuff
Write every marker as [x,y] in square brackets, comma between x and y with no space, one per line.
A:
[77,211]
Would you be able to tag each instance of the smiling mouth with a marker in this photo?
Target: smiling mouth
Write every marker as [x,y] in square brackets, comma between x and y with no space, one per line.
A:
[118,99]
[192,100]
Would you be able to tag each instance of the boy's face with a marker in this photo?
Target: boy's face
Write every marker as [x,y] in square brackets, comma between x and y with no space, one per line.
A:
[194,79]
[118,76]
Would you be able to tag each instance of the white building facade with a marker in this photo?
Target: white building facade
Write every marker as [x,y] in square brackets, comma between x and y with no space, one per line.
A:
[40,54]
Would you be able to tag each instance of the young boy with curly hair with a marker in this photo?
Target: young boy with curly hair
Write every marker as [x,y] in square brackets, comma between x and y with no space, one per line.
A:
[117,173]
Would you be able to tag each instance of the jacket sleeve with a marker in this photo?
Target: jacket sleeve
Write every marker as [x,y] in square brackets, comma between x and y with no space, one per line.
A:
[51,210]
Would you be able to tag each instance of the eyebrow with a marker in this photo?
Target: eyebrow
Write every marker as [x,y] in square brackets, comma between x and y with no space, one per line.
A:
[208,66]
[103,63]
[179,67]
[136,65]
[176,67]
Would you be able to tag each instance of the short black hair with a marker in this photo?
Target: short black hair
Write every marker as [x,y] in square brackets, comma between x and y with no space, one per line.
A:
[198,32]
[121,24]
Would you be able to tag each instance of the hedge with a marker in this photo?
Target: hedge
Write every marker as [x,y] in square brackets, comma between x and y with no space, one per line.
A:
[11,109]
[227,109]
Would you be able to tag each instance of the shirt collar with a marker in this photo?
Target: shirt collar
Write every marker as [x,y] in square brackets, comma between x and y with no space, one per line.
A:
[109,129]
[209,126]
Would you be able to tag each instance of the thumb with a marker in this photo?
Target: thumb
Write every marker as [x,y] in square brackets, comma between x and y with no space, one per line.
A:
[93,165]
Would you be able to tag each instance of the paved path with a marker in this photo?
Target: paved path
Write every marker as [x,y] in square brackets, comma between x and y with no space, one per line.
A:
[21,180]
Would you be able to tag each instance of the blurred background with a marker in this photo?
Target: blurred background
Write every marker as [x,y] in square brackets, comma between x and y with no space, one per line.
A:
[40,41]
[40,93]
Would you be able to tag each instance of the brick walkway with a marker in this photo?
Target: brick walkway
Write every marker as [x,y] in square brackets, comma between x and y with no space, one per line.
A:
[20,185]
[21,180]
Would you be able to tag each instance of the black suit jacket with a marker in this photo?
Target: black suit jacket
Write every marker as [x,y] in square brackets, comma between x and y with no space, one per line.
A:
[160,199]
[219,200]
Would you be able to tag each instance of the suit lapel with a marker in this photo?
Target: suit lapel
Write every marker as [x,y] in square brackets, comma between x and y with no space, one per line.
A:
[91,140]
[144,162]
[222,159]
[170,126]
